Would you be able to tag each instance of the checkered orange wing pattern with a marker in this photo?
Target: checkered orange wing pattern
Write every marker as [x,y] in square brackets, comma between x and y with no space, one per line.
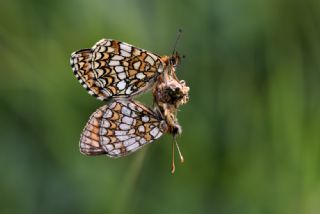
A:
[114,69]
[120,128]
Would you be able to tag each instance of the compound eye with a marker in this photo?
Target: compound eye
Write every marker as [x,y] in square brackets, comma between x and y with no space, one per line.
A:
[173,61]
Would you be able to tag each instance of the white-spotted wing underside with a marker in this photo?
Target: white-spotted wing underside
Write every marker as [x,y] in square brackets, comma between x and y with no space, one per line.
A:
[113,69]
[120,128]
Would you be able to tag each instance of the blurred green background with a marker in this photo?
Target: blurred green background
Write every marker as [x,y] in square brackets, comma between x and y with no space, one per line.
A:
[251,135]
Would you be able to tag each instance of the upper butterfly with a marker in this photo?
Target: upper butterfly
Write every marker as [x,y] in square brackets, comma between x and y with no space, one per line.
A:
[114,69]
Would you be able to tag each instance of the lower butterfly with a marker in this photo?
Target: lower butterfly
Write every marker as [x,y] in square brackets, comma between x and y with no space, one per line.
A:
[125,126]
[121,128]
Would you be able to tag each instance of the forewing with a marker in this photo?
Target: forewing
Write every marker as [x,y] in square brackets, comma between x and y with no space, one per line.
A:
[116,69]
[120,128]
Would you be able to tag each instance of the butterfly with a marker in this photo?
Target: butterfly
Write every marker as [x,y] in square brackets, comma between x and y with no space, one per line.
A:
[114,69]
[116,72]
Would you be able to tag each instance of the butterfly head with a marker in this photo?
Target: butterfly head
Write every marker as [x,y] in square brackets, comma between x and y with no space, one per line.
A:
[174,60]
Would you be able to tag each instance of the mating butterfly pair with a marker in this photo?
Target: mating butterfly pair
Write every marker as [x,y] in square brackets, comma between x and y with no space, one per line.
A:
[116,71]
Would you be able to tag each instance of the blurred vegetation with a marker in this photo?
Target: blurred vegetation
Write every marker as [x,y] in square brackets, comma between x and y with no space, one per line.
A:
[251,135]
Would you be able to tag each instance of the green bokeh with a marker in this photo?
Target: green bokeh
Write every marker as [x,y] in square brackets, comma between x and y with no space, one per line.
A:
[251,131]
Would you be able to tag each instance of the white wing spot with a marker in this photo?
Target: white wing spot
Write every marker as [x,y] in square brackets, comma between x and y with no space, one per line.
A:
[141,128]
[84,146]
[113,63]
[124,126]
[133,114]
[127,120]
[125,53]
[160,69]
[86,133]
[136,65]
[122,75]
[158,135]
[123,137]
[117,57]
[143,141]
[103,48]
[105,124]
[121,85]
[149,60]
[98,56]
[129,142]
[108,43]
[108,114]
[119,69]
[110,50]
[133,146]
[100,72]
[129,90]
[153,56]
[140,76]
[132,106]
[136,52]
[109,147]
[145,118]
[96,65]
[125,47]
[113,105]
[154,132]
[103,131]
[115,152]
[118,133]
[125,111]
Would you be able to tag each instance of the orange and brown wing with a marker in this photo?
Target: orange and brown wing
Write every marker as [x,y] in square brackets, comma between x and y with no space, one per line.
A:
[120,128]
[112,69]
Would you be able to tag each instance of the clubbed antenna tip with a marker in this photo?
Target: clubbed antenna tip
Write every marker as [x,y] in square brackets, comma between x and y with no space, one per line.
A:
[173,167]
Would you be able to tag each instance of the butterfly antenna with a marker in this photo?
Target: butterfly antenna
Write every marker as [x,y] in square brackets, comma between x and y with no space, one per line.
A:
[181,157]
[173,167]
[176,42]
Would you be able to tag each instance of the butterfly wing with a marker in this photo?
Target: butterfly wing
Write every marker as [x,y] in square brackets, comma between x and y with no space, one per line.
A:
[90,137]
[120,128]
[116,69]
